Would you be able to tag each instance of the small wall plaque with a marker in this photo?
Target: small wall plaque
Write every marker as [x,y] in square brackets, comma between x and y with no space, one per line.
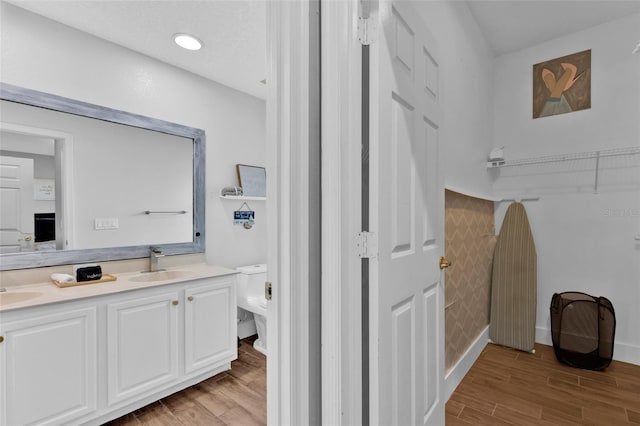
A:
[245,218]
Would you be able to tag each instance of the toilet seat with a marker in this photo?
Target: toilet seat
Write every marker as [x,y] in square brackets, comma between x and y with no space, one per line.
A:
[263,304]
[257,305]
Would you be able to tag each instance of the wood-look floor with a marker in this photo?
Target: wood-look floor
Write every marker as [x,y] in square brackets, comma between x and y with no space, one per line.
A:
[235,397]
[504,387]
[508,387]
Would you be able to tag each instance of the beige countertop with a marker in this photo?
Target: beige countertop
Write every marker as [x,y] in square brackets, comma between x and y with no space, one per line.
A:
[44,293]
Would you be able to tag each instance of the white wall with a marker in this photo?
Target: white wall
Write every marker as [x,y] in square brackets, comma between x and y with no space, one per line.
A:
[82,67]
[585,241]
[466,87]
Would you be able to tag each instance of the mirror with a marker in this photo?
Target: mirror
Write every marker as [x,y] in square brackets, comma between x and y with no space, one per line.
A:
[94,183]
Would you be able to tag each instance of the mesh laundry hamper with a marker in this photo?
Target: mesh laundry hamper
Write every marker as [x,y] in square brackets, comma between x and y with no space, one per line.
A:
[583,329]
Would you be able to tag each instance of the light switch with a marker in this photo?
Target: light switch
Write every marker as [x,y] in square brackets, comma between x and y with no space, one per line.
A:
[101,223]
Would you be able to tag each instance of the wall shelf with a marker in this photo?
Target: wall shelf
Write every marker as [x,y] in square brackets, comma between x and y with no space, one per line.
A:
[242,198]
[592,155]
[596,155]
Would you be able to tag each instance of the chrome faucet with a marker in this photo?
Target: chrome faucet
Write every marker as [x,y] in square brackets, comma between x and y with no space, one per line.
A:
[154,254]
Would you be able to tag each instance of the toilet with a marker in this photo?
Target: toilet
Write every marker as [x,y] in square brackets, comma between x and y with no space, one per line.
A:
[250,297]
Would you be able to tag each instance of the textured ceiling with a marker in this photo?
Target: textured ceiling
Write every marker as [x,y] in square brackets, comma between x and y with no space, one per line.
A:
[233,32]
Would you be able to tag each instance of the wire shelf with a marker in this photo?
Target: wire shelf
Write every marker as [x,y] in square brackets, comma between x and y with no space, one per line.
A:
[598,156]
[616,152]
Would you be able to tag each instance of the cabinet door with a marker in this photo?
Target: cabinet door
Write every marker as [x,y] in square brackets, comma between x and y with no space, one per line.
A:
[48,368]
[210,325]
[142,340]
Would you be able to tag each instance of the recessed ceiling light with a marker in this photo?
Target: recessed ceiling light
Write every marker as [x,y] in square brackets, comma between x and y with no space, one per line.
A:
[187,41]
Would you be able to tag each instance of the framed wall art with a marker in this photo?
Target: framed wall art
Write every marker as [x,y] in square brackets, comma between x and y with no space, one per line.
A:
[253,180]
[562,85]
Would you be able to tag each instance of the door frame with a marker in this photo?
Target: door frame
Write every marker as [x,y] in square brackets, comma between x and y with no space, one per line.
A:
[293,206]
[289,398]
[342,322]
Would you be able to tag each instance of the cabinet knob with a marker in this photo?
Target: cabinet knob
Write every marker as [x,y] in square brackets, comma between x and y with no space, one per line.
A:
[1,339]
[190,298]
[175,302]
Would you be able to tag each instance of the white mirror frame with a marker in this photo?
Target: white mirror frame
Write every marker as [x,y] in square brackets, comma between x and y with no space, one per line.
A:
[34,98]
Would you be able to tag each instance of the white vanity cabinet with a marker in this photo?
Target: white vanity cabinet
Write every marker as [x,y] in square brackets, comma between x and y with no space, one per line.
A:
[48,361]
[90,360]
[156,338]
[210,325]
[142,344]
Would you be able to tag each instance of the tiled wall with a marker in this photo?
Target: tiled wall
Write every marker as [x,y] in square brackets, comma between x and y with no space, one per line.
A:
[469,244]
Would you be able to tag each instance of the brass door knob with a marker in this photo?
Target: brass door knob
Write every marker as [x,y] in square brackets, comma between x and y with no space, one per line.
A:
[444,263]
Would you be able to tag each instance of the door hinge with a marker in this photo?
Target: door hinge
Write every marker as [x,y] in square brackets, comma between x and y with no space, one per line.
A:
[366,245]
[366,30]
[268,290]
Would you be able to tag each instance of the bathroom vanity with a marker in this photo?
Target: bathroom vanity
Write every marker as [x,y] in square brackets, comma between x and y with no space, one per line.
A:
[89,354]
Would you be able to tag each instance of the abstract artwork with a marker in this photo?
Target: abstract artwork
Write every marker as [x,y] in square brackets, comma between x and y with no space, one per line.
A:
[562,85]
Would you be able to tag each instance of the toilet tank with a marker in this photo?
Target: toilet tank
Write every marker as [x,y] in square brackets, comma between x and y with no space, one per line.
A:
[251,283]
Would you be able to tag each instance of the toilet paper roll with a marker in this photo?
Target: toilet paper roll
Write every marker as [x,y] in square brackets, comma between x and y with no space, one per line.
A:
[62,278]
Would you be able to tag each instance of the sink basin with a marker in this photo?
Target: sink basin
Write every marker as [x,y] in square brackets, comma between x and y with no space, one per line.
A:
[160,276]
[17,296]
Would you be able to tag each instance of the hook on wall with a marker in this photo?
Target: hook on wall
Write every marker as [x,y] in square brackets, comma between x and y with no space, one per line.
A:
[244,205]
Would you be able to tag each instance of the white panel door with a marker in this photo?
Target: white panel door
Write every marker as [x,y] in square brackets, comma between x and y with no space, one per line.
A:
[142,340]
[48,372]
[406,212]
[16,204]
[210,325]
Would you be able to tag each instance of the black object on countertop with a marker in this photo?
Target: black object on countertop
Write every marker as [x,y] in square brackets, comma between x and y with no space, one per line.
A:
[89,273]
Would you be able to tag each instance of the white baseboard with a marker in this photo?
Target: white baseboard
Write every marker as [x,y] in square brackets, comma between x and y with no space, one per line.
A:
[455,375]
[624,352]
[543,336]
